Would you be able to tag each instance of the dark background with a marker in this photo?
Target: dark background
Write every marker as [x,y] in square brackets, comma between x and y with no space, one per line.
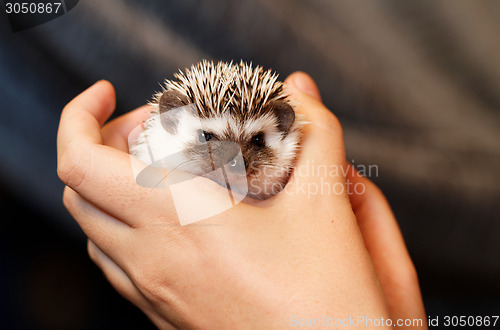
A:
[416,86]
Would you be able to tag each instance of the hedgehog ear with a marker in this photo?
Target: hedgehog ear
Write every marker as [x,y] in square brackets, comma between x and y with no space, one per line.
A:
[168,101]
[285,114]
[172,99]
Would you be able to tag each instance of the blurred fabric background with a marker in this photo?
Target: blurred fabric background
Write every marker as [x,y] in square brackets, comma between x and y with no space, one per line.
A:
[416,85]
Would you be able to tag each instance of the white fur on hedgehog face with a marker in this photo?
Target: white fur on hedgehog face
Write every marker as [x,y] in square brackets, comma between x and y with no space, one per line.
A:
[264,179]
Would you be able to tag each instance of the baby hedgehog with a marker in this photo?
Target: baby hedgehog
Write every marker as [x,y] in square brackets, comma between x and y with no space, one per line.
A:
[214,113]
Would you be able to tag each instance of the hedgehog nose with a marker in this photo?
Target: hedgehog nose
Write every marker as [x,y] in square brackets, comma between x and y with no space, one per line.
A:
[235,164]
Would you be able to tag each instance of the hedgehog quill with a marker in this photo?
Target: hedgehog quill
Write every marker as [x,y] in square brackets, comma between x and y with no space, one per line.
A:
[213,112]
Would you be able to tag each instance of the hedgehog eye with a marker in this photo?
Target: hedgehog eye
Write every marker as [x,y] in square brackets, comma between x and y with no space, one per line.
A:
[204,136]
[258,139]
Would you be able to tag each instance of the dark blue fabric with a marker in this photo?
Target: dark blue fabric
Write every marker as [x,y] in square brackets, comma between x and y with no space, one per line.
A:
[415,85]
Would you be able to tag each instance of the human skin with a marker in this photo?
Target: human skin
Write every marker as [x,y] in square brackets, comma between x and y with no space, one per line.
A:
[298,255]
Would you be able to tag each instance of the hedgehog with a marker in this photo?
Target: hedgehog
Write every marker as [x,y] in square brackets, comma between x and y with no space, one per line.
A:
[230,115]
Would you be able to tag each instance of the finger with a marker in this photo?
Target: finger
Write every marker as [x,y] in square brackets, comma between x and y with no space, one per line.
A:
[80,124]
[116,276]
[305,83]
[321,154]
[106,231]
[122,283]
[115,133]
[102,175]
[386,246]
[305,96]
[322,136]
[93,107]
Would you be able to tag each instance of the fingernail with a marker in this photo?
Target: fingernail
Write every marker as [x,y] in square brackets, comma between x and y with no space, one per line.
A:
[305,84]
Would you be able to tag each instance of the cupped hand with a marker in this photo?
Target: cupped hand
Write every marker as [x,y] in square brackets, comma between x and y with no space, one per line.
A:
[304,254]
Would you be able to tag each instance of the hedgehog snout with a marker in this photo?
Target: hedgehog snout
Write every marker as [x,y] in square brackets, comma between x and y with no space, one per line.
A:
[238,163]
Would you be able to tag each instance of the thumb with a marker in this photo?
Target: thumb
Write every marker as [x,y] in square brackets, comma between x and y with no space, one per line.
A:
[305,83]
[322,140]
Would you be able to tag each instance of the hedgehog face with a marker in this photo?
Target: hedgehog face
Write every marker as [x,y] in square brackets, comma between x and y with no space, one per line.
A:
[266,150]
[242,111]
[255,147]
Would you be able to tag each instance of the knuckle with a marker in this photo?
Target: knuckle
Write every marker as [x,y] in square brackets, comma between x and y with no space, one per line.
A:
[411,274]
[146,286]
[67,198]
[91,251]
[332,121]
[148,283]
[326,115]
[326,119]
[407,276]
[71,169]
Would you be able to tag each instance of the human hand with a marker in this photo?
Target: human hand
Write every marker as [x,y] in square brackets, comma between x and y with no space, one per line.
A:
[256,266]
